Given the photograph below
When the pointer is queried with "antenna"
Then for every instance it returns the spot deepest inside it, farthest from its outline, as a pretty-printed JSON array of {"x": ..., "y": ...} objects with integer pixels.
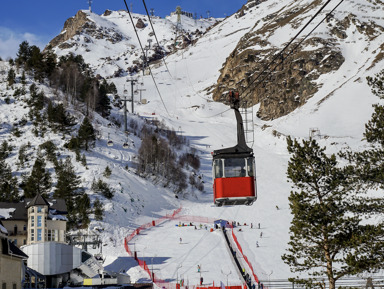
[
  {"x": 90, "y": 5},
  {"x": 152, "y": 12},
  {"x": 208, "y": 12}
]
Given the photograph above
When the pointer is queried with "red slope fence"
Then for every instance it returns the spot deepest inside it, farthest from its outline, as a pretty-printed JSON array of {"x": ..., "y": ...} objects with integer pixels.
[
  {"x": 243, "y": 255},
  {"x": 166, "y": 285}
]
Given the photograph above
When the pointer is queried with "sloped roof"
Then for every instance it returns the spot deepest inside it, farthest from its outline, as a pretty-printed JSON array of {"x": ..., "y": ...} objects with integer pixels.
[
  {"x": 38, "y": 200},
  {"x": 3, "y": 230},
  {"x": 57, "y": 206},
  {"x": 10, "y": 249},
  {"x": 19, "y": 212}
]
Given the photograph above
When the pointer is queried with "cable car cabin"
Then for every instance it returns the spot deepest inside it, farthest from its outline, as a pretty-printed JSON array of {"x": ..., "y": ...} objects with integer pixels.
[
  {"x": 233, "y": 169},
  {"x": 234, "y": 181},
  {"x": 125, "y": 145},
  {"x": 110, "y": 143}
]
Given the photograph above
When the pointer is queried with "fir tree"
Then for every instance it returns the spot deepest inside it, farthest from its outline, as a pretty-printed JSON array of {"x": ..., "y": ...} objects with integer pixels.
[
  {"x": 328, "y": 233},
  {"x": 86, "y": 134},
  {"x": 39, "y": 181}
]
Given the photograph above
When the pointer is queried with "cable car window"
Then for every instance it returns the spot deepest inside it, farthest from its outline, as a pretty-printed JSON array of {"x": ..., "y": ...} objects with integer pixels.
[
  {"x": 218, "y": 167},
  {"x": 234, "y": 168},
  {"x": 251, "y": 167}
]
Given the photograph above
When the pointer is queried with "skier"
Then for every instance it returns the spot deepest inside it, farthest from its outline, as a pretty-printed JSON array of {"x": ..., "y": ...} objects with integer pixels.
[
  {"x": 257, "y": 244},
  {"x": 261, "y": 234},
  {"x": 201, "y": 281},
  {"x": 181, "y": 240}
]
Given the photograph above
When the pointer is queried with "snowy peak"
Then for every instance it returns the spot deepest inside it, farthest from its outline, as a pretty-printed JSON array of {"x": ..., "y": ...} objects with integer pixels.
[{"x": 109, "y": 44}]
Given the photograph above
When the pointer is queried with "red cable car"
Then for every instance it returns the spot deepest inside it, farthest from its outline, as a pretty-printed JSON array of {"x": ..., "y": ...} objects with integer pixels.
[{"x": 233, "y": 170}]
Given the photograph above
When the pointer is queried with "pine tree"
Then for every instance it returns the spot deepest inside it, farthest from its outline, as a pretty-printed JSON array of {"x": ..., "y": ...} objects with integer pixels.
[
  {"x": 11, "y": 78},
  {"x": 23, "y": 53},
  {"x": 39, "y": 181},
  {"x": 107, "y": 172},
  {"x": 98, "y": 210},
  {"x": 369, "y": 164},
  {"x": 67, "y": 181},
  {"x": 23, "y": 78},
  {"x": 8, "y": 184},
  {"x": 86, "y": 134},
  {"x": 328, "y": 233},
  {"x": 68, "y": 188}
]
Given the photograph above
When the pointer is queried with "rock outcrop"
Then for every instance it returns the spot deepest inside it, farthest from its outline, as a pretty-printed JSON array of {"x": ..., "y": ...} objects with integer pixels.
[
  {"x": 285, "y": 83},
  {"x": 81, "y": 24}
]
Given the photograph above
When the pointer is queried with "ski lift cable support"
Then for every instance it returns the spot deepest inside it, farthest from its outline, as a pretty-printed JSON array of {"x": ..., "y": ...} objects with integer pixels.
[
  {"x": 153, "y": 30},
  {"x": 142, "y": 49}
]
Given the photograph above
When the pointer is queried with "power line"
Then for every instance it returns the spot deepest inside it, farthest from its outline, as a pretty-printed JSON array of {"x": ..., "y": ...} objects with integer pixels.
[
  {"x": 278, "y": 55},
  {"x": 142, "y": 49},
  {"x": 153, "y": 30},
  {"x": 293, "y": 49}
]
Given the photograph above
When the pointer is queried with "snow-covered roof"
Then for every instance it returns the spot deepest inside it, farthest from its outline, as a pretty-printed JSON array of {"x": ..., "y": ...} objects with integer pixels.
[{"x": 6, "y": 213}]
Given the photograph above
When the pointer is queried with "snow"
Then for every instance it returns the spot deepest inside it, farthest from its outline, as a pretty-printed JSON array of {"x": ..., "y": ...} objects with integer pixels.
[
  {"x": 339, "y": 110},
  {"x": 6, "y": 213},
  {"x": 3, "y": 230}
]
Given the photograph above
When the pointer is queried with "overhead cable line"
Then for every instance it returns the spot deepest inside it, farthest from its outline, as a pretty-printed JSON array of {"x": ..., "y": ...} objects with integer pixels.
[
  {"x": 297, "y": 45},
  {"x": 286, "y": 46},
  {"x": 153, "y": 30},
  {"x": 142, "y": 49}
]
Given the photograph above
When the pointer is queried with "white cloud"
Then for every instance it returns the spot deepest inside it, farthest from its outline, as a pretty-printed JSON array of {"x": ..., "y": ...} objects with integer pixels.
[{"x": 10, "y": 41}]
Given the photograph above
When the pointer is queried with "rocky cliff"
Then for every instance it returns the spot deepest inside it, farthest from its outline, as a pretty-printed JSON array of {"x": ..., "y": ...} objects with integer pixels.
[{"x": 291, "y": 79}]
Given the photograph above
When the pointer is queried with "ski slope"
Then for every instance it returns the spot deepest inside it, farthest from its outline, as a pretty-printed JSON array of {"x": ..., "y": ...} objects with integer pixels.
[{"x": 338, "y": 110}]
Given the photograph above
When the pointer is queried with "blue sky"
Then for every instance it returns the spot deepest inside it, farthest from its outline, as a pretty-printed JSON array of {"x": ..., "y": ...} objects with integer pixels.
[{"x": 39, "y": 21}]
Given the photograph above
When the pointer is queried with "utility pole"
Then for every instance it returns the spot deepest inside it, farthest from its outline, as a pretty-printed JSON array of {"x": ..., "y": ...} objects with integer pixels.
[
  {"x": 125, "y": 109},
  {"x": 141, "y": 89},
  {"x": 90, "y": 5},
  {"x": 132, "y": 81}
]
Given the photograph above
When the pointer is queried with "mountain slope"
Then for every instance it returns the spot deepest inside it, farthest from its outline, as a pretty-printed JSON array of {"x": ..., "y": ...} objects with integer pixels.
[{"x": 337, "y": 111}]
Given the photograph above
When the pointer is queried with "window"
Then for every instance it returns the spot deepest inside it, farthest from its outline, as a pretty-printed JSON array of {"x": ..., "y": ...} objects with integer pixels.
[
  {"x": 251, "y": 167},
  {"x": 218, "y": 168},
  {"x": 24, "y": 242},
  {"x": 14, "y": 286},
  {"x": 4, "y": 286},
  {"x": 39, "y": 235},
  {"x": 39, "y": 221},
  {"x": 32, "y": 234},
  {"x": 25, "y": 227},
  {"x": 234, "y": 168},
  {"x": 39, "y": 209},
  {"x": 32, "y": 221},
  {"x": 49, "y": 235}
]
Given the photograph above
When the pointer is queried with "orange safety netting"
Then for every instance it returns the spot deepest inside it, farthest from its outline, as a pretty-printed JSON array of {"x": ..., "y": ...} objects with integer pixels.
[{"x": 161, "y": 283}]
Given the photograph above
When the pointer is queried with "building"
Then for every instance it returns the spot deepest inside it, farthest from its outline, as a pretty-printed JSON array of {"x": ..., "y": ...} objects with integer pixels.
[
  {"x": 35, "y": 220},
  {"x": 11, "y": 262}
]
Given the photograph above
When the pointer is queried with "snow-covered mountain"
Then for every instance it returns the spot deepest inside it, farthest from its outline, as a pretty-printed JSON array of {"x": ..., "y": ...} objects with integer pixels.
[
  {"x": 108, "y": 42},
  {"x": 336, "y": 112}
]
